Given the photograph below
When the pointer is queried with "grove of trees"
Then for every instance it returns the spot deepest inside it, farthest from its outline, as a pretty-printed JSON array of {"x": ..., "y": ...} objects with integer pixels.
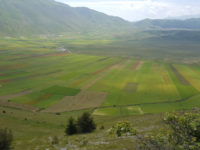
[{"x": 84, "y": 124}]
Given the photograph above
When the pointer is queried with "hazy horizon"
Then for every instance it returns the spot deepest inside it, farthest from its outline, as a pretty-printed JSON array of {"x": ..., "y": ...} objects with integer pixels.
[{"x": 135, "y": 10}]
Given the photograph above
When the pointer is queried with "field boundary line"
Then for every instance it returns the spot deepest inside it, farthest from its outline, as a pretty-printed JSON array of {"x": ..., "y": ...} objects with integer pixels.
[
  {"x": 10, "y": 104},
  {"x": 15, "y": 95},
  {"x": 139, "y": 104}
]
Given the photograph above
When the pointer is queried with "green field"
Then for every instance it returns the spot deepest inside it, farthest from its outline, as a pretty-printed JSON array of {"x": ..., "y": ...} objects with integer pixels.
[
  {"x": 42, "y": 86},
  {"x": 110, "y": 85}
]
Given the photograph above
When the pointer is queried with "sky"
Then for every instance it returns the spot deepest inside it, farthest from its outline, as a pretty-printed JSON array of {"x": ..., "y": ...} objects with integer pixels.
[{"x": 135, "y": 10}]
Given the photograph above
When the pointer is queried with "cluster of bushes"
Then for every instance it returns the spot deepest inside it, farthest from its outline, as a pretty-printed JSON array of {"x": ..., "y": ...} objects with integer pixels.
[
  {"x": 182, "y": 133},
  {"x": 122, "y": 129},
  {"x": 84, "y": 124}
]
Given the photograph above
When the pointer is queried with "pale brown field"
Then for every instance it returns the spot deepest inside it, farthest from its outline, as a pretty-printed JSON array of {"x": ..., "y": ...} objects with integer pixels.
[{"x": 84, "y": 100}]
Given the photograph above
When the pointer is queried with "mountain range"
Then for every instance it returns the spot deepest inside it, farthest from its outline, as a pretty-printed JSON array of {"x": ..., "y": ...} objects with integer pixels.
[
  {"x": 192, "y": 24},
  {"x": 33, "y": 17},
  {"x": 49, "y": 17}
]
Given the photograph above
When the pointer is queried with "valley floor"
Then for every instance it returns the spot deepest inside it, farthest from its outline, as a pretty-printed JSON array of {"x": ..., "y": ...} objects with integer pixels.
[{"x": 41, "y": 87}]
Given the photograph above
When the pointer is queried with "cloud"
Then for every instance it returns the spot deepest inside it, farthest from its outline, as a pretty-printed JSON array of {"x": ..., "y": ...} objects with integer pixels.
[{"x": 134, "y": 10}]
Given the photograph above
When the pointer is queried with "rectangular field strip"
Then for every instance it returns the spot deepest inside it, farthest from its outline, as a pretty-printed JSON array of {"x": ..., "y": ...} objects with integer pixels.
[{"x": 179, "y": 76}]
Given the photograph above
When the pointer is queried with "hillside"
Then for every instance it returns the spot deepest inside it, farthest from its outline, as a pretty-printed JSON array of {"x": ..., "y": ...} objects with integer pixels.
[
  {"x": 38, "y": 17},
  {"x": 192, "y": 24},
  {"x": 22, "y": 17}
]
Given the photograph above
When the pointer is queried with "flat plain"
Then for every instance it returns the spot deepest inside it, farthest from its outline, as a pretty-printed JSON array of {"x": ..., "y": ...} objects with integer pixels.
[
  {"x": 43, "y": 78},
  {"x": 43, "y": 82}
]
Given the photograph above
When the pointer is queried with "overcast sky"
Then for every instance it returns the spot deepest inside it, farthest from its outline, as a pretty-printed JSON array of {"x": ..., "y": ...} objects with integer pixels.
[{"x": 134, "y": 10}]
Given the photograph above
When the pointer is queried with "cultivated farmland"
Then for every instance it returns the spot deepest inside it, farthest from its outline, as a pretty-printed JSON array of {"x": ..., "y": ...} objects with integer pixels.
[{"x": 44, "y": 79}]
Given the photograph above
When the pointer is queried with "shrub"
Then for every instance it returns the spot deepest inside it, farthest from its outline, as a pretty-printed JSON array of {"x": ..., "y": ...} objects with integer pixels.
[
  {"x": 55, "y": 140},
  {"x": 85, "y": 123},
  {"x": 154, "y": 142},
  {"x": 183, "y": 133},
  {"x": 58, "y": 114},
  {"x": 71, "y": 127},
  {"x": 122, "y": 128},
  {"x": 184, "y": 130},
  {"x": 6, "y": 139}
]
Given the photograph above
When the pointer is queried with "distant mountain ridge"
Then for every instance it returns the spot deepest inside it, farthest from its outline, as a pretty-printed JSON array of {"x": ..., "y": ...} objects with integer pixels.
[
  {"x": 193, "y": 23},
  {"x": 49, "y": 17},
  {"x": 36, "y": 17}
]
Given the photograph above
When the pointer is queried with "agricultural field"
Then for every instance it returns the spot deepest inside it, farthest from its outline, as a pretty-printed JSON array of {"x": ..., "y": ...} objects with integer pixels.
[
  {"x": 43, "y": 83},
  {"x": 46, "y": 78}
]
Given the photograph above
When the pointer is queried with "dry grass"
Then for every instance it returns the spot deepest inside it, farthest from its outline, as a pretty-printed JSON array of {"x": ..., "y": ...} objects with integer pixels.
[{"x": 84, "y": 100}]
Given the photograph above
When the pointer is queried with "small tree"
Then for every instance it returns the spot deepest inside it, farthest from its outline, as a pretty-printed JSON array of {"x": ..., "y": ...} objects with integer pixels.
[
  {"x": 6, "y": 139},
  {"x": 71, "y": 127},
  {"x": 85, "y": 123}
]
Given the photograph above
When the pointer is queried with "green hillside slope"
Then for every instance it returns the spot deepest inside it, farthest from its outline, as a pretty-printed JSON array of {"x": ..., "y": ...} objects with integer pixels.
[
  {"x": 169, "y": 24},
  {"x": 27, "y": 17}
]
